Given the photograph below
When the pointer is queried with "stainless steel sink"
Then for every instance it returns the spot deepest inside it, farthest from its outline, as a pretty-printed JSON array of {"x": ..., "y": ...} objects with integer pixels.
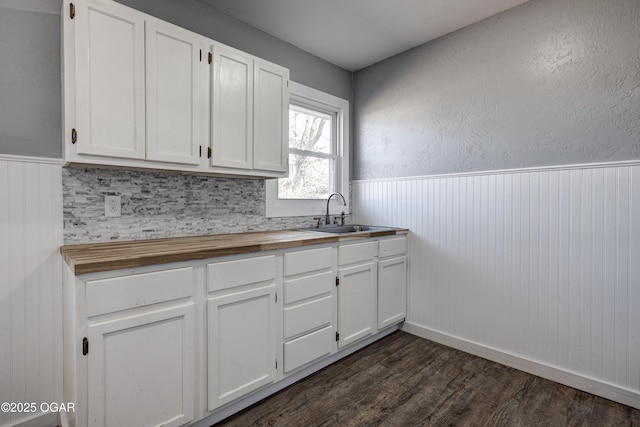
[{"x": 351, "y": 228}]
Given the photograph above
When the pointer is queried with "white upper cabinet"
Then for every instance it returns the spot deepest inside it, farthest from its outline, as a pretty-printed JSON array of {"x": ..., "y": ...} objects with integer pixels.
[
  {"x": 249, "y": 113},
  {"x": 109, "y": 80},
  {"x": 271, "y": 118},
  {"x": 142, "y": 93},
  {"x": 173, "y": 63},
  {"x": 231, "y": 109}
]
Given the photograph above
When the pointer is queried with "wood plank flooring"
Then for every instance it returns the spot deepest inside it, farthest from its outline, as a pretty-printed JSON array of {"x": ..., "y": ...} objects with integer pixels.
[{"x": 404, "y": 380}]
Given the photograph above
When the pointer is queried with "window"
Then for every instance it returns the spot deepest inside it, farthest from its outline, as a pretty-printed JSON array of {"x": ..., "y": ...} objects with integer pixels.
[
  {"x": 312, "y": 154},
  {"x": 318, "y": 156}
]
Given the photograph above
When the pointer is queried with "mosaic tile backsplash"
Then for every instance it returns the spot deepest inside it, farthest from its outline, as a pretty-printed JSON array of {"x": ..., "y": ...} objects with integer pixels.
[{"x": 157, "y": 205}]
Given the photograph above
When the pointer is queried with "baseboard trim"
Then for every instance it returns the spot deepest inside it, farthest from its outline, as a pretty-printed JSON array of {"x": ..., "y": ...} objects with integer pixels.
[{"x": 572, "y": 379}]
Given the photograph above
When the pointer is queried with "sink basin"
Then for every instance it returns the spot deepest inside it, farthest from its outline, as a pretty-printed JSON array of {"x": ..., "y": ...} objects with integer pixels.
[{"x": 351, "y": 228}]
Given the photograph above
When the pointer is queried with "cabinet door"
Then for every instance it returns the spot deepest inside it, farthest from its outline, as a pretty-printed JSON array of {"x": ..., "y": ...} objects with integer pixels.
[
  {"x": 173, "y": 91},
  {"x": 109, "y": 54},
  {"x": 242, "y": 343},
  {"x": 271, "y": 118},
  {"x": 392, "y": 291},
  {"x": 232, "y": 109},
  {"x": 140, "y": 369},
  {"x": 356, "y": 303}
]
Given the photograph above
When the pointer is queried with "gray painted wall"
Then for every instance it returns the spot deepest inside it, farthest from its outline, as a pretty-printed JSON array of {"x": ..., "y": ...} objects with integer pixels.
[
  {"x": 550, "y": 82},
  {"x": 30, "y": 118},
  {"x": 30, "y": 101}
]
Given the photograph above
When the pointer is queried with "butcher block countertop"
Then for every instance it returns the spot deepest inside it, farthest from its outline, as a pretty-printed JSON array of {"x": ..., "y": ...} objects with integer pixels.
[{"x": 97, "y": 257}]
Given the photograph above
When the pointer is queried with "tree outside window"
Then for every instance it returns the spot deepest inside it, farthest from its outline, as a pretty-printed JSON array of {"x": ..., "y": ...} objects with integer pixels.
[{"x": 312, "y": 155}]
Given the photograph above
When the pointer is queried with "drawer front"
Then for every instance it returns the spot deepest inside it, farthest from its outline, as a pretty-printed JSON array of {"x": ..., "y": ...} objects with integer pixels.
[
  {"x": 137, "y": 290},
  {"x": 307, "y": 261},
  {"x": 229, "y": 274},
  {"x": 308, "y": 286},
  {"x": 392, "y": 247},
  {"x": 307, "y": 316},
  {"x": 349, "y": 254},
  {"x": 307, "y": 348}
]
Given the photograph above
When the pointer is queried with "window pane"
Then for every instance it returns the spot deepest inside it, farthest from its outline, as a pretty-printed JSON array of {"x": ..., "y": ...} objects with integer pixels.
[
  {"x": 309, "y": 178},
  {"x": 310, "y": 130}
]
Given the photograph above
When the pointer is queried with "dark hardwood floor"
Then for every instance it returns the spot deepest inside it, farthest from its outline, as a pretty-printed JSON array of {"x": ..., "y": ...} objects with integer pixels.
[{"x": 403, "y": 380}]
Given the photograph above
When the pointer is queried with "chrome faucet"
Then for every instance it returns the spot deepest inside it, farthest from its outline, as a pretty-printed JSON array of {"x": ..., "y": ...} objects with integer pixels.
[{"x": 327, "y": 220}]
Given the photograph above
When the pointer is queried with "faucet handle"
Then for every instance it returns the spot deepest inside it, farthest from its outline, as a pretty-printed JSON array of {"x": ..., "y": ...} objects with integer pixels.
[{"x": 318, "y": 222}]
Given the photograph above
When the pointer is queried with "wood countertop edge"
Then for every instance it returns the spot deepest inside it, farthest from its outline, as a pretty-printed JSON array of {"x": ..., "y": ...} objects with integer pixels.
[{"x": 120, "y": 255}]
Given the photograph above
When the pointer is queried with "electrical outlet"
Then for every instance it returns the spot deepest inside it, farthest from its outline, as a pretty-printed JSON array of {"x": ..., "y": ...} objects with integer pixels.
[{"x": 112, "y": 206}]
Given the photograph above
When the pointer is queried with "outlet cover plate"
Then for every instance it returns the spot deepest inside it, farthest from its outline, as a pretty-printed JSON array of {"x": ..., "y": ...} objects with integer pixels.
[{"x": 112, "y": 206}]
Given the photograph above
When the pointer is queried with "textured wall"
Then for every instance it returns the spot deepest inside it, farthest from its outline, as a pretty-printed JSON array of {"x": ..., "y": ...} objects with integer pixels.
[
  {"x": 157, "y": 205},
  {"x": 30, "y": 118},
  {"x": 549, "y": 82}
]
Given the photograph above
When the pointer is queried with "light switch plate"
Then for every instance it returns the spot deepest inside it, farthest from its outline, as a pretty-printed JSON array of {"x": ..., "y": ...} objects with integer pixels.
[{"x": 112, "y": 206}]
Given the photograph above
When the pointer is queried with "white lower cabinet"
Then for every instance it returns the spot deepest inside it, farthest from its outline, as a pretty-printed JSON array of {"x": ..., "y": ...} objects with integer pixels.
[
  {"x": 241, "y": 328},
  {"x": 392, "y": 281},
  {"x": 356, "y": 292},
  {"x": 133, "y": 341},
  {"x": 309, "y": 301},
  {"x": 141, "y": 369},
  {"x": 392, "y": 291},
  {"x": 171, "y": 344}
]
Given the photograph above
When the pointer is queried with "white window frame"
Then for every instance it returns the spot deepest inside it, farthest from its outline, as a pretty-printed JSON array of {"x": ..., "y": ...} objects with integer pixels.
[{"x": 275, "y": 207}]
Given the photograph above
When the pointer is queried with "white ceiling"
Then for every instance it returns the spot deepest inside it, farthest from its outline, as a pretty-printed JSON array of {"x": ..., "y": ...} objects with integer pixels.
[{"x": 356, "y": 33}]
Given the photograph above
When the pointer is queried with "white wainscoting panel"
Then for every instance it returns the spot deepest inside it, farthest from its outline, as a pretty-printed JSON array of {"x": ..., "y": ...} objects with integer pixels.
[
  {"x": 542, "y": 265},
  {"x": 30, "y": 286}
]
